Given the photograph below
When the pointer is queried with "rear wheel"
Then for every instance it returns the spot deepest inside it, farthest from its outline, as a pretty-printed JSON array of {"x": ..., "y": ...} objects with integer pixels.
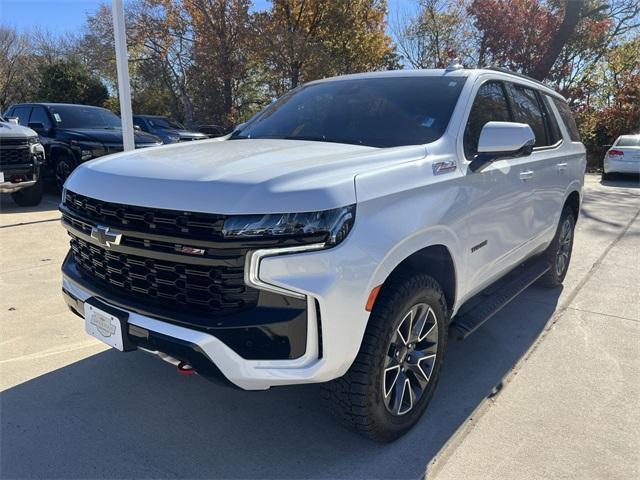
[
  {"x": 392, "y": 380},
  {"x": 558, "y": 254},
  {"x": 29, "y": 197}
]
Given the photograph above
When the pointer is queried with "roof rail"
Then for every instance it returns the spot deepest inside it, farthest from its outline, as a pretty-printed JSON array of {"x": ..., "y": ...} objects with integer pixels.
[{"x": 516, "y": 74}]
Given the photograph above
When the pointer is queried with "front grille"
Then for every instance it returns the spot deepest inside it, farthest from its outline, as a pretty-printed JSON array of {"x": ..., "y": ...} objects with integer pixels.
[
  {"x": 162, "y": 222},
  {"x": 198, "y": 289},
  {"x": 14, "y": 155},
  {"x": 14, "y": 142}
]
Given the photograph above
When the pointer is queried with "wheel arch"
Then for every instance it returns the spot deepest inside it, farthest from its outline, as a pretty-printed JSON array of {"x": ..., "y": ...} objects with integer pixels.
[
  {"x": 436, "y": 261},
  {"x": 573, "y": 201}
]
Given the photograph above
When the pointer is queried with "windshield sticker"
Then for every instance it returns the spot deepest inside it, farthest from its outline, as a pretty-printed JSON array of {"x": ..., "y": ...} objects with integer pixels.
[
  {"x": 57, "y": 117},
  {"x": 453, "y": 84},
  {"x": 428, "y": 122}
]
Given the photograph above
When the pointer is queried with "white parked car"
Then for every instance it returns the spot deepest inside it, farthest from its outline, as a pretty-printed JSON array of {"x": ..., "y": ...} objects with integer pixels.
[
  {"x": 623, "y": 156},
  {"x": 339, "y": 236},
  {"x": 21, "y": 159}
]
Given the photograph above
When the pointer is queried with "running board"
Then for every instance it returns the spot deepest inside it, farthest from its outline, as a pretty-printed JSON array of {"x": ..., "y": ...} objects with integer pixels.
[{"x": 486, "y": 304}]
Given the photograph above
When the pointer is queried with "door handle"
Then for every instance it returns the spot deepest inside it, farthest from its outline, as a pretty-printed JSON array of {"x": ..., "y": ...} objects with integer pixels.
[
  {"x": 526, "y": 175},
  {"x": 562, "y": 166}
]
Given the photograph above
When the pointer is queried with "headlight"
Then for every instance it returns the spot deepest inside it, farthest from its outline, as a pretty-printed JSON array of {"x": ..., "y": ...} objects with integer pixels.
[
  {"x": 33, "y": 140},
  {"x": 329, "y": 226}
]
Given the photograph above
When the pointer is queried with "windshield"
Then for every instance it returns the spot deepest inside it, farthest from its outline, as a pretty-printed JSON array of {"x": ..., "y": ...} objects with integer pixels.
[
  {"x": 377, "y": 112},
  {"x": 163, "y": 122},
  {"x": 72, "y": 116},
  {"x": 628, "y": 141}
]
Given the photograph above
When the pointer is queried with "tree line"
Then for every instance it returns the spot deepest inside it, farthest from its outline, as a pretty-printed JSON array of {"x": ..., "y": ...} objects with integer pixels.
[{"x": 221, "y": 61}]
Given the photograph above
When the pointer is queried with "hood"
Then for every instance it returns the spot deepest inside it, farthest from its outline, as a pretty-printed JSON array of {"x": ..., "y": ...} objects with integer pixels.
[
  {"x": 11, "y": 130},
  {"x": 235, "y": 176},
  {"x": 106, "y": 135}
]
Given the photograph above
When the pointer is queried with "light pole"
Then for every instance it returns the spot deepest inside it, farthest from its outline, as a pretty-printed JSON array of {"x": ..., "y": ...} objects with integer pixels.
[{"x": 122, "y": 65}]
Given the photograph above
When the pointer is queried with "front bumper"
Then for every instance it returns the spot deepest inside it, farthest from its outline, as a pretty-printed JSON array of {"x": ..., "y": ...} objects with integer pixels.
[
  {"x": 220, "y": 352},
  {"x": 22, "y": 175},
  {"x": 17, "y": 177},
  {"x": 332, "y": 283}
]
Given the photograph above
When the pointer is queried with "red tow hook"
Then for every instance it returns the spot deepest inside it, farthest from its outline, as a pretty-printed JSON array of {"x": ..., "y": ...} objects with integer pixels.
[{"x": 186, "y": 369}]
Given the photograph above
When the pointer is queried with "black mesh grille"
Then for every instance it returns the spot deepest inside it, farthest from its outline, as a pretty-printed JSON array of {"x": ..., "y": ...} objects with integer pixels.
[
  {"x": 16, "y": 155},
  {"x": 164, "y": 222},
  {"x": 204, "y": 289}
]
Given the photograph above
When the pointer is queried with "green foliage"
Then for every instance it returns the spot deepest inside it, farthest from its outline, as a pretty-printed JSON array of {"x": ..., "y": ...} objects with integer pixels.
[{"x": 69, "y": 81}]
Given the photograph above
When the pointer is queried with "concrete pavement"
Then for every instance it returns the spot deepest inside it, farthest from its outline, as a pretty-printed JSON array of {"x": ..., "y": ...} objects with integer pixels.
[{"x": 547, "y": 389}]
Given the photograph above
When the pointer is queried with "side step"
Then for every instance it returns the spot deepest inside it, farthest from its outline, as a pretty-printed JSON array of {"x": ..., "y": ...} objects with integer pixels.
[{"x": 486, "y": 304}]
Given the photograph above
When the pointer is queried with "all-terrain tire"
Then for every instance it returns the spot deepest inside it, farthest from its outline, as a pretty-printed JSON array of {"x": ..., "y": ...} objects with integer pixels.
[
  {"x": 31, "y": 196},
  {"x": 357, "y": 399},
  {"x": 558, "y": 253}
]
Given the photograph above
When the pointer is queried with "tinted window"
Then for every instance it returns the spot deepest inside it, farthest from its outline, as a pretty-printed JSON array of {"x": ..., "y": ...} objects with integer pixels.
[
  {"x": 23, "y": 115},
  {"x": 163, "y": 122},
  {"x": 552, "y": 122},
  {"x": 628, "y": 141},
  {"x": 38, "y": 114},
  {"x": 78, "y": 116},
  {"x": 379, "y": 112},
  {"x": 567, "y": 119},
  {"x": 527, "y": 109},
  {"x": 490, "y": 105}
]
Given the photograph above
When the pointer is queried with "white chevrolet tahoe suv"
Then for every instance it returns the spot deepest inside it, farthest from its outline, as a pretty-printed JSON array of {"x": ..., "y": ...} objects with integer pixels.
[{"x": 338, "y": 237}]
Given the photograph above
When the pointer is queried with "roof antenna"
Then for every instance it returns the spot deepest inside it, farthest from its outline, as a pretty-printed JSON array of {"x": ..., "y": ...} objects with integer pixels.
[{"x": 454, "y": 65}]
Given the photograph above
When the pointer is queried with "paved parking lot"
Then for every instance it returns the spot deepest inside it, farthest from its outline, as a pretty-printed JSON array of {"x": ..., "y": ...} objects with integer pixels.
[{"x": 549, "y": 388}]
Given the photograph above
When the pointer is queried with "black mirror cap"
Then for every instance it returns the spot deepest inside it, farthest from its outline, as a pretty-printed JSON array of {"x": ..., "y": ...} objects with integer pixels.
[{"x": 482, "y": 160}]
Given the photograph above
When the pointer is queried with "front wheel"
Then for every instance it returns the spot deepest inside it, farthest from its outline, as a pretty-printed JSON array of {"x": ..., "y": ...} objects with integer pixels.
[
  {"x": 558, "y": 254},
  {"x": 64, "y": 165},
  {"x": 392, "y": 380}
]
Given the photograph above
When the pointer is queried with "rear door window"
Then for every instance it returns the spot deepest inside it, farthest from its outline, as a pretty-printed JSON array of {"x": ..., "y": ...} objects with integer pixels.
[
  {"x": 490, "y": 105},
  {"x": 527, "y": 109}
]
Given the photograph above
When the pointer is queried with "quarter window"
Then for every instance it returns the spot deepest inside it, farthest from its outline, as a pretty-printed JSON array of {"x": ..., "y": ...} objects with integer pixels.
[
  {"x": 567, "y": 119},
  {"x": 527, "y": 109},
  {"x": 552, "y": 122},
  {"x": 490, "y": 105}
]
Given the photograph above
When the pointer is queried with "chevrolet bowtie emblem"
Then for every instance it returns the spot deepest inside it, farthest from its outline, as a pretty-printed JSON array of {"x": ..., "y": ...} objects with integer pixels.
[{"x": 105, "y": 236}]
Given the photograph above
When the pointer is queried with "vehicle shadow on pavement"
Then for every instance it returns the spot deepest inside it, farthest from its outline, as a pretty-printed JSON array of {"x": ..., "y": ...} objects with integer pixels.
[
  {"x": 50, "y": 202},
  {"x": 628, "y": 181},
  {"x": 117, "y": 415}
]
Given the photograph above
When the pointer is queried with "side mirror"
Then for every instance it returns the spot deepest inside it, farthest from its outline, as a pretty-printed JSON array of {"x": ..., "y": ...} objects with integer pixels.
[
  {"x": 13, "y": 120},
  {"x": 137, "y": 128},
  {"x": 502, "y": 140},
  {"x": 38, "y": 127}
]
